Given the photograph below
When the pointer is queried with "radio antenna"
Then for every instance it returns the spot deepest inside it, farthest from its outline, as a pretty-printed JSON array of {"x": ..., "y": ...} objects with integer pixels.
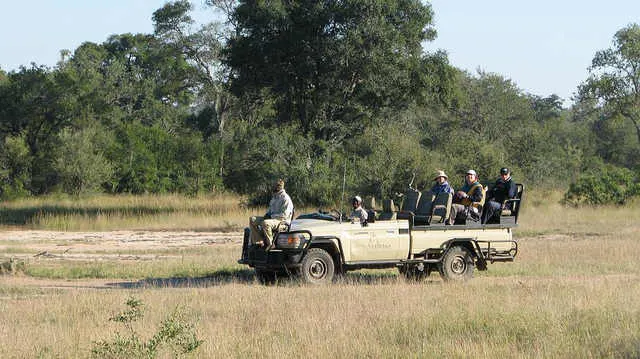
[{"x": 344, "y": 183}]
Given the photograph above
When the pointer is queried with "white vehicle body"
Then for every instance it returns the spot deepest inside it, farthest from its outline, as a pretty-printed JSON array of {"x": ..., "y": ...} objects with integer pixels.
[{"x": 415, "y": 250}]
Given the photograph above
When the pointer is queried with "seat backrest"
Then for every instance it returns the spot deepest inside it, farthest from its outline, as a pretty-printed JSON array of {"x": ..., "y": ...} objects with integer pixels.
[
  {"x": 515, "y": 206},
  {"x": 388, "y": 210},
  {"x": 441, "y": 207},
  {"x": 425, "y": 204},
  {"x": 410, "y": 202},
  {"x": 370, "y": 203},
  {"x": 371, "y": 215}
]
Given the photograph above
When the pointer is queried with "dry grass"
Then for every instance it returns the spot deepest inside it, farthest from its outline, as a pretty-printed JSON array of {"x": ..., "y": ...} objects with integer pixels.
[
  {"x": 571, "y": 293},
  {"x": 150, "y": 212}
]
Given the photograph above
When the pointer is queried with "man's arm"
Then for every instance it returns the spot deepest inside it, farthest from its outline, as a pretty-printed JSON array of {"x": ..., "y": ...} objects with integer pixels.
[{"x": 513, "y": 190}]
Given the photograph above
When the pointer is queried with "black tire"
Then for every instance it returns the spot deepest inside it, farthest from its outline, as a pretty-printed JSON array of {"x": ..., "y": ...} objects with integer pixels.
[
  {"x": 265, "y": 276},
  {"x": 457, "y": 264},
  {"x": 317, "y": 267}
]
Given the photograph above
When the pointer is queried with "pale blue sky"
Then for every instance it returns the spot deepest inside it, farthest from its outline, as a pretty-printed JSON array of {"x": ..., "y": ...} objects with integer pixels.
[{"x": 544, "y": 46}]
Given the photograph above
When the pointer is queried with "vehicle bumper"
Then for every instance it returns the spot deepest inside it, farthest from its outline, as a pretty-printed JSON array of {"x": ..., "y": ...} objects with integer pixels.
[
  {"x": 259, "y": 257},
  {"x": 271, "y": 259}
]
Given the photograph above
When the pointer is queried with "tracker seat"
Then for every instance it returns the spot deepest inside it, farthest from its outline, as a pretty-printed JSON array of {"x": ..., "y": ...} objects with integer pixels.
[
  {"x": 388, "y": 211},
  {"x": 422, "y": 215},
  {"x": 441, "y": 208},
  {"x": 409, "y": 204}
]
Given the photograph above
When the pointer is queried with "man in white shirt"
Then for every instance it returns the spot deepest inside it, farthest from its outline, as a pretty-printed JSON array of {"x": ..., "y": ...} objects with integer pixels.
[
  {"x": 278, "y": 216},
  {"x": 358, "y": 214}
]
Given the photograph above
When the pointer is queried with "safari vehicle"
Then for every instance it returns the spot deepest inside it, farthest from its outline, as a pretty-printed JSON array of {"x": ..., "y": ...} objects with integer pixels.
[{"x": 415, "y": 239}]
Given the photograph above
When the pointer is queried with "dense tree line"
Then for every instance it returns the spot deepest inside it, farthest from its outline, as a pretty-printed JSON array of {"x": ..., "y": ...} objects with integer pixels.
[{"x": 328, "y": 95}]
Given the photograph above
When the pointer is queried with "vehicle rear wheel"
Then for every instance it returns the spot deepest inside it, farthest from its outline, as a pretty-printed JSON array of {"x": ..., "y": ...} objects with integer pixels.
[
  {"x": 317, "y": 267},
  {"x": 457, "y": 264}
]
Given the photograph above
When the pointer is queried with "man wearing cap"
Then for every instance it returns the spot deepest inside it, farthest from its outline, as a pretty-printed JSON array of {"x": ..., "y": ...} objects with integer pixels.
[
  {"x": 442, "y": 184},
  {"x": 467, "y": 200},
  {"x": 279, "y": 213},
  {"x": 358, "y": 213},
  {"x": 504, "y": 188}
]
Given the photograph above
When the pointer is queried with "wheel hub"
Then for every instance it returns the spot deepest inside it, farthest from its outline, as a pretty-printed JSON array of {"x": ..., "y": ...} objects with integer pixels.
[
  {"x": 318, "y": 269},
  {"x": 458, "y": 265}
]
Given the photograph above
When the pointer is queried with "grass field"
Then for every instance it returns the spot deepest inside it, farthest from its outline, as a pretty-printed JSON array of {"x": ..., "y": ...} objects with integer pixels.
[
  {"x": 149, "y": 212},
  {"x": 571, "y": 293}
]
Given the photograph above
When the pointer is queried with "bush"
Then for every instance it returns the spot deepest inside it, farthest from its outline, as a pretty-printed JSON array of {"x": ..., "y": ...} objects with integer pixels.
[
  {"x": 15, "y": 166},
  {"x": 610, "y": 185},
  {"x": 80, "y": 164},
  {"x": 175, "y": 336}
]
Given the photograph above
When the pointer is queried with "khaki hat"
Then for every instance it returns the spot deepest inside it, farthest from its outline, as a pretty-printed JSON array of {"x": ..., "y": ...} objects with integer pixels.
[{"x": 440, "y": 174}]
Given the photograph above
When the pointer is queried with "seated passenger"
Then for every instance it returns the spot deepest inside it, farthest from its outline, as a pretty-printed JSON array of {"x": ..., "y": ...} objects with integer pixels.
[
  {"x": 442, "y": 184},
  {"x": 279, "y": 213},
  {"x": 505, "y": 188},
  {"x": 467, "y": 200},
  {"x": 359, "y": 213}
]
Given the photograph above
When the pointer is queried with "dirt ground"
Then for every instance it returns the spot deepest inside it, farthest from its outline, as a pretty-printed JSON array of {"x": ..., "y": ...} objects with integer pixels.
[{"x": 108, "y": 246}]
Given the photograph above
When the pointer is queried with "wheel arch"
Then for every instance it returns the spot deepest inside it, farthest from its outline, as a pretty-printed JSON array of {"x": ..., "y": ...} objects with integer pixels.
[
  {"x": 470, "y": 244},
  {"x": 333, "y": 246}
]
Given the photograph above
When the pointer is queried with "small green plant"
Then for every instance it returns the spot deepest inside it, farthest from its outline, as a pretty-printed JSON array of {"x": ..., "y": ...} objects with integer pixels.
[
  {"x": 175, "y": 335},
  {"x": 12, "y": 266}
]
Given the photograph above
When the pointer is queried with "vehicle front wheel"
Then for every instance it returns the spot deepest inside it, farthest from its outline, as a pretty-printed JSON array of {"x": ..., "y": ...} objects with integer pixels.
[
  {"x": 457, "y": 264},
  {"x": 317, "y": 267}
]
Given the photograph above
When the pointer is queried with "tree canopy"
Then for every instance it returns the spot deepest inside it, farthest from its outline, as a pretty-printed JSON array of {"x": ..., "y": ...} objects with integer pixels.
[
  {"x": 329, "y": 66},
  {"x": 613, "y": 89}
]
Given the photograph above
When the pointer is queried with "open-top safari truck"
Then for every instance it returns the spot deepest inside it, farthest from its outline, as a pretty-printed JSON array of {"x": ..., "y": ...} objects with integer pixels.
[{"x": 415, "y": 239}]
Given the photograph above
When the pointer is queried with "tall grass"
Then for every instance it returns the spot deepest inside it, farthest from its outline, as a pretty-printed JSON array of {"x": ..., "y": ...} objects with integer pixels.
[
  {"x": 482, "y": 319},
  {"x": 221, "y": 212}
]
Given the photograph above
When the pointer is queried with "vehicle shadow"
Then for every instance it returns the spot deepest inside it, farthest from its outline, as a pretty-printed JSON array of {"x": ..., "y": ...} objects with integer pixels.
[
  {"x": 214, "y": 279},
  {"x": 248, "y": 276}
]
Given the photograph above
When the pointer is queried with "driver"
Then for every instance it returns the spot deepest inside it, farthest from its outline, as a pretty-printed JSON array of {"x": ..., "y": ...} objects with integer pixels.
[
  {"x": 279, "y": 214},
  {"x": 358, "y": 213}
]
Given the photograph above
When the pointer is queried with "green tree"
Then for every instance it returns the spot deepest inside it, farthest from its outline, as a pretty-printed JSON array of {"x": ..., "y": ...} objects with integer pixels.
[
  {"x": 15, "y": 167},
  {"x": 80, "y": 163},
  {"x": 202, "y": 49},
  {"x": 35, "y": 103},
  {"x": 329, "y": 66},
  {"x": 613, "y": 86}
]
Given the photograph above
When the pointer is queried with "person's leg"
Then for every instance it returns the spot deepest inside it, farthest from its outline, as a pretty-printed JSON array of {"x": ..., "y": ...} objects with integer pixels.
[
  {"x": 491, "y": 208},
  {"x": 269, "y": 226},
  {"x": 256, "y": 232},
  {"x": 456, "y": 208}
]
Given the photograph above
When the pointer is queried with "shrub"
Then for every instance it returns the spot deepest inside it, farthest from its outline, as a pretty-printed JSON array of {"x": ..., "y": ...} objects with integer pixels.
[
  {"x": 175, "y": 334},
  {"x": 610, "y": 185},
  {"x": 80, "y": 164}
]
